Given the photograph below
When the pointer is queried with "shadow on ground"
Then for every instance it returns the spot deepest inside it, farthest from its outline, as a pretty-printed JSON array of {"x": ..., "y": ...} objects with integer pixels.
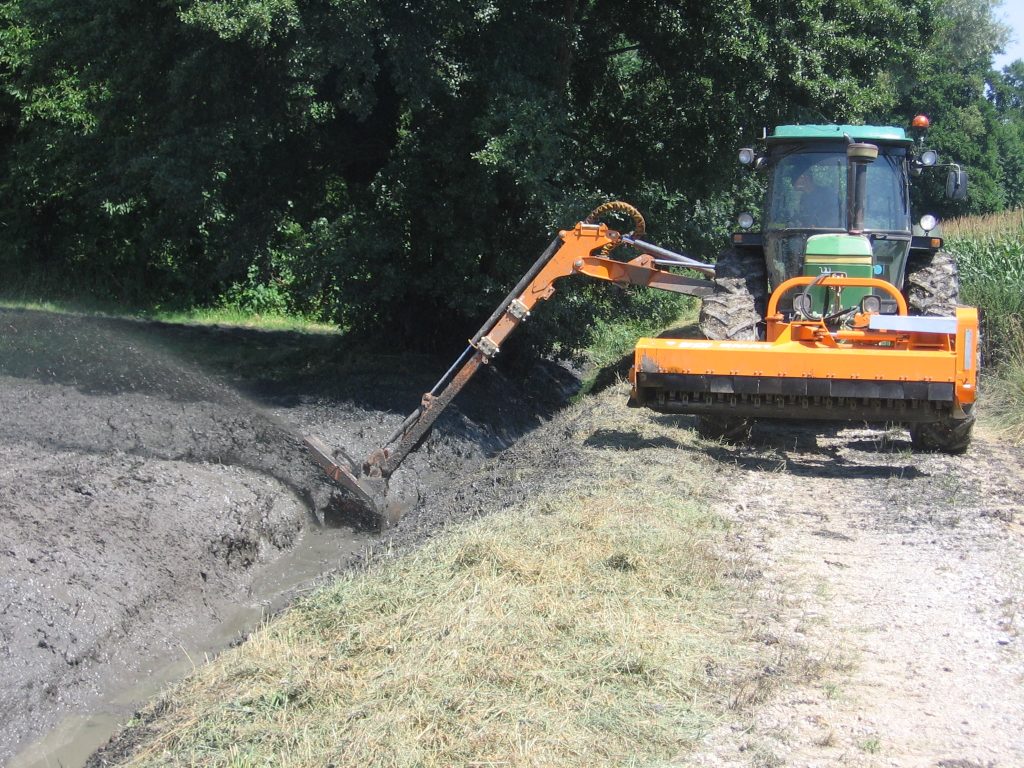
[{"x": 806, "y": 449}]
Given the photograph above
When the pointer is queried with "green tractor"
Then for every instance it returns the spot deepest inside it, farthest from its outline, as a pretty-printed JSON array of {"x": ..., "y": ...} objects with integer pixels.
[{"x": 823, "y": 181}]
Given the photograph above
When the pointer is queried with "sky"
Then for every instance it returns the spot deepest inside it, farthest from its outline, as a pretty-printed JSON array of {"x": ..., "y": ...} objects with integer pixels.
[{"x": 1012, "y": 12}]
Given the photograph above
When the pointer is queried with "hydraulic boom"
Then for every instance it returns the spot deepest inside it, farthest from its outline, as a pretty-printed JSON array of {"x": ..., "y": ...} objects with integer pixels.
[
  {"x": 836, "y": 346},
  {"x": 582, "y": 250}
]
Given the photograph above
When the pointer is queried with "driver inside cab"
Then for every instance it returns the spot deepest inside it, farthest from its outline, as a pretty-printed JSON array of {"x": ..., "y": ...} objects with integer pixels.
[{"x": 818, "y": 205}]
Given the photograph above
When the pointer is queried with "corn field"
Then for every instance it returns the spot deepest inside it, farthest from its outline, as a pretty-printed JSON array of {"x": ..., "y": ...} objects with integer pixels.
[{"x": 990, "y": 254}]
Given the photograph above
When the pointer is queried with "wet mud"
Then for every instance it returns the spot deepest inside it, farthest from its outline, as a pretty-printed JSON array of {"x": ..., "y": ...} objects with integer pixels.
[{"x": 156, "y": 500}]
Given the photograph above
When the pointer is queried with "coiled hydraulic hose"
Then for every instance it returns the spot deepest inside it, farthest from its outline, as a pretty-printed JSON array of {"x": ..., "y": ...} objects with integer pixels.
[
  {"x": 639, "y": 225},
  {"x": 805, "y": 297}
]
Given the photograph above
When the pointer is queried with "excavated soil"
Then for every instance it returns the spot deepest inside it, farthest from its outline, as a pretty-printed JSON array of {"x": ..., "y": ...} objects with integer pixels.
[{"x": 156, "y": 501}]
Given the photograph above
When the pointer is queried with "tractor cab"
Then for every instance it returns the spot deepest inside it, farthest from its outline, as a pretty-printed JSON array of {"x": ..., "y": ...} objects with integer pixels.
[{"x": 820, "y": 184}]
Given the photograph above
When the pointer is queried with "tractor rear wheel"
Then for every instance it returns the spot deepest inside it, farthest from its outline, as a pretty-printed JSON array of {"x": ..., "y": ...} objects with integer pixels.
[
  {"x": 734, "y": 312},
  {"x": 932, "y": 287}
]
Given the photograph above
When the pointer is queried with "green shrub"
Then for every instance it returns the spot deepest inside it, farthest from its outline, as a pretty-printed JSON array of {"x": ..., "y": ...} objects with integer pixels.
[{"x": 257, "y": 295}]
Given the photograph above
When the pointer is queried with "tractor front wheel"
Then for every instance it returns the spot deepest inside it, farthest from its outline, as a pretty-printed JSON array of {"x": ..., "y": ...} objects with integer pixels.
[
  {"x": 947, "y": 436},
  {"x": 735, "y": 311}
]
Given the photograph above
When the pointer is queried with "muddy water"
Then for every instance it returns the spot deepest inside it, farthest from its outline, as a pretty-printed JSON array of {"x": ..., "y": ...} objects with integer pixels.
[
  {"x": 318, "y": 553},
  {"x": 149, "y": 514}
]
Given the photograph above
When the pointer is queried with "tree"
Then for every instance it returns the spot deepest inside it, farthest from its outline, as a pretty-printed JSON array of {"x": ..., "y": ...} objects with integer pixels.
[
  {"x": 947, "y": 82},
  {"x": 1006, "y": 92},
  {"x": 396, "y": 166}
]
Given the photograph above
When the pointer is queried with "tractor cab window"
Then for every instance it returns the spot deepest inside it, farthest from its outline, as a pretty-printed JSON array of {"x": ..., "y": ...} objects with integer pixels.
[
  {"x": 887, "y": 204},
  {"x": 808, "y": 191}
]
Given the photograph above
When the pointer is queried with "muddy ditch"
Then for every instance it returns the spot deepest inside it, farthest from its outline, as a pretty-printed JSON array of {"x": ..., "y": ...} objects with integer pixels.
[{"x": 156, "y": 502}]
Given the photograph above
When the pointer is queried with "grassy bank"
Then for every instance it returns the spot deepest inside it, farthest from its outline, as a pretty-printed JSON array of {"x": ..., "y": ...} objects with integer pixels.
[
  {"x": 990, "y": 254},
  {"x": 591, "y": 625},
  {"x": 610, "y": 352},
  {"x": 225, "y": 315}
]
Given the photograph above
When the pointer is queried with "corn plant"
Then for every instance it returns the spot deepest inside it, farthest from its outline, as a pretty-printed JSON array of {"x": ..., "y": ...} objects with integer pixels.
[{"x": 990, "y": 254}]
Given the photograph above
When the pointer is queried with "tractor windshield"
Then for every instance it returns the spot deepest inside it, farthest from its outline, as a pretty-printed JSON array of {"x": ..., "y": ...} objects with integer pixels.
[{"x": 808, "y": 191}]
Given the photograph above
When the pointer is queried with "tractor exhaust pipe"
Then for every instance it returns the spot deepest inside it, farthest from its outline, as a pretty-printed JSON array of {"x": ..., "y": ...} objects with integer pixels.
[{"x": 859, "y": 155}]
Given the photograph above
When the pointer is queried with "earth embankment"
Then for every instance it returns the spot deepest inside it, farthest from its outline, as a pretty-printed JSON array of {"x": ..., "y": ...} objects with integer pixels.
[{"x": 151, "y": 475}]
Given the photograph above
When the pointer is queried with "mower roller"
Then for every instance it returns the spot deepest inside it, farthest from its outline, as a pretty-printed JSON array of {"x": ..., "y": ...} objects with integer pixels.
[{"x": 837, "y": 340}]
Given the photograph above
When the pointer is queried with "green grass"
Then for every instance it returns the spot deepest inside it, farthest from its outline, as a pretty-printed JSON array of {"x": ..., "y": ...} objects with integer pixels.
[
  {"x": 613, "y": 341},
  {"x": 196, "y": 316},
  {"x": 1003, "y": 393},
  {"x": 872, "y": 745}
]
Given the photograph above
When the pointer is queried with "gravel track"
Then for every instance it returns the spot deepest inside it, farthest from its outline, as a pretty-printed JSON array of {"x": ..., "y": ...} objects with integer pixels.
[{"x": 896, "y": 627}]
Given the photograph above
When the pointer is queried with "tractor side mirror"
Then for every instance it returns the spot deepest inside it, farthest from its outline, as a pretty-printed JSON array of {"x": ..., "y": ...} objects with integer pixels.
[{"x": 956, "y": 184}]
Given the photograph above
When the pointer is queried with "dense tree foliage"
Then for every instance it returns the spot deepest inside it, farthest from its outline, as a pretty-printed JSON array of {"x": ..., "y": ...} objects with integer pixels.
[{"x": 397, "y": 165}]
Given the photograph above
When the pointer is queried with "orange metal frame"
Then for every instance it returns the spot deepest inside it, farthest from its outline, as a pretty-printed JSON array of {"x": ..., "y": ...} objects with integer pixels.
[
  {"x": 795, "y": 349},
  {"x": 808, "y": 349}
]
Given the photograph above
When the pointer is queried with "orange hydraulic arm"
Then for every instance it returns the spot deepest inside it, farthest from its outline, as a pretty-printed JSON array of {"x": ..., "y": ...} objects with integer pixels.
[{"x": 581, "y": 250}]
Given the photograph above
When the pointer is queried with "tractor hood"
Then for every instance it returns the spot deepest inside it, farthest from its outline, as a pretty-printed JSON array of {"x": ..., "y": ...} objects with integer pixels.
[{"x": 838, "y": 245}]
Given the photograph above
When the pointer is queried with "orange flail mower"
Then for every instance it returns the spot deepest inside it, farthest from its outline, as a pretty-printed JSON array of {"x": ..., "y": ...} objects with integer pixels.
[{"x": 893, "y": 368}]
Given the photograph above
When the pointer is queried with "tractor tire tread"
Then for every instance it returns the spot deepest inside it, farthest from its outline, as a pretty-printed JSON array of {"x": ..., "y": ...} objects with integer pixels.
[
  {"x": 932, "y": 288},
  {"x": 932, "y": 284},
  {"x": 734, "y": 312},
  {"x": 947, "y": 436}
]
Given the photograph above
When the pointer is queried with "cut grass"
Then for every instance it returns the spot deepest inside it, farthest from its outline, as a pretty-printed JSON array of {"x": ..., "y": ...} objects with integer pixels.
[{"x": 590, "y": 625}]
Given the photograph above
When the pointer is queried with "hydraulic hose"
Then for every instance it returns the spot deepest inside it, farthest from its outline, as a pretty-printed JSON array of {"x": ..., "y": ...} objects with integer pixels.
[
  {"x": 805, "y": 295},
  {"x": 617, "y": 206}
]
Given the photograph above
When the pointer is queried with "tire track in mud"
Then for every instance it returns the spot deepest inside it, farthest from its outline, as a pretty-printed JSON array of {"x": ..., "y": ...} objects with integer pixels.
[
  {"x": 894, "y": 583},
  {"x": 145, "y": 503}
]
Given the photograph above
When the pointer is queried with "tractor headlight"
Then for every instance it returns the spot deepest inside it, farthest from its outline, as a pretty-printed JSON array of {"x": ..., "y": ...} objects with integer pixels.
[
  {"x": 929, "y": 158},
  {"x": 747, "y": 156},
  {"x": 871, "y": 305},
  {"x": 928, "y": 222},
  {"x": 745, "y": 220}
]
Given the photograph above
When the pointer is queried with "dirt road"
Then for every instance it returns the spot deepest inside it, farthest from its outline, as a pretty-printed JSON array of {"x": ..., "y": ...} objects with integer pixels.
[{"x": 895, "y": 585}]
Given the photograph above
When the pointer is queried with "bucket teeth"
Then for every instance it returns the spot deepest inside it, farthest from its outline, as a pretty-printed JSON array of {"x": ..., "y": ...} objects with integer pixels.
[{"x": 369, "y": 492}]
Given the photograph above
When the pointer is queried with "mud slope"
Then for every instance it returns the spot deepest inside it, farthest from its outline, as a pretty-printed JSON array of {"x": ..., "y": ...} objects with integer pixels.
[{"x": 149, "y": 474}]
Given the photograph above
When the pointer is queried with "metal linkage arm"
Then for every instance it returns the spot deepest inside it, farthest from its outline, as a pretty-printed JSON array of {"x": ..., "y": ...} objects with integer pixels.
[{"x": 570, "y": 253}]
